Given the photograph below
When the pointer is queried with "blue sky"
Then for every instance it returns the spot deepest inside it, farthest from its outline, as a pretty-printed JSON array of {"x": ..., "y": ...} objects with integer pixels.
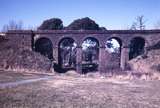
[{"x": 113, "y": 14}]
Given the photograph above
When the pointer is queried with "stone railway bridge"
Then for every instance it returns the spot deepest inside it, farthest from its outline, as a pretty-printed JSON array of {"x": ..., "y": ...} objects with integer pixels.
[{"x": 146, "y": 38}]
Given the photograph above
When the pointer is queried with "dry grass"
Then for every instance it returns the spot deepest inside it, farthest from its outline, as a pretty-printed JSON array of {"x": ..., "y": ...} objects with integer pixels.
[
  {"x": 149, "y": 64},
  {"x": 80, "y": 92}
]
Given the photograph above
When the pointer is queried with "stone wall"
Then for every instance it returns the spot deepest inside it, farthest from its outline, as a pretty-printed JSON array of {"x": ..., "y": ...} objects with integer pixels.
[{"x": 21, "y": 39}]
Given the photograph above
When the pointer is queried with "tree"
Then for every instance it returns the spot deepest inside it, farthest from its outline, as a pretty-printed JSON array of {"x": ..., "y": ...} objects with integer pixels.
[
  {"x": 84, "y": 24},
  {"x": 139, "y": 24},
  {"x": 51, "y": 24},
  {"x": 13, "y": 25},
  {"x": 134, "y": 26}
]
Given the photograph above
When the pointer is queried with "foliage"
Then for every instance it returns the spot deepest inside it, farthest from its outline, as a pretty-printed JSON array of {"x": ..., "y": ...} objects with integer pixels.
[
  {"x": 90, "y": 49},
  {"x": 113, "y": 46},
  {"x": 51, "y": 24},
  {"x": 84, "y": 24}
]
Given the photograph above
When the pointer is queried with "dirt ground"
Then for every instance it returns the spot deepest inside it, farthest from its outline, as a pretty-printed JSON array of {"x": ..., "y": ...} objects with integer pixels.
[
  {"x": 81, "y": 92},
  {"x": 12, "y": 76}
]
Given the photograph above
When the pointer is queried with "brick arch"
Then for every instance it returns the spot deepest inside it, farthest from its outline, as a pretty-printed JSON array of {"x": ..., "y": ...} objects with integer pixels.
[
  {"x": 37, "y": 37},
  {"x": 90, "y": 36},
  {"x": 120, "y": 41},
  {"x": 139, "y": 36},
  {"x": 64, "y": 37},
  {"x": 117, "y": 37},
  {"x": 44, "y": 46}
]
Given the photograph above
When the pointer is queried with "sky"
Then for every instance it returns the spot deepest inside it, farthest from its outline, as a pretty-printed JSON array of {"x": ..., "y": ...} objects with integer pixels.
[{"x": 112, "y": 14}]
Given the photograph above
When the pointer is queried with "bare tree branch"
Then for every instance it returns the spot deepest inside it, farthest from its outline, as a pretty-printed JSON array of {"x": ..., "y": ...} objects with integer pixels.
[
  {"x": 139, "y": 24},
  {"x": 13, "y": 25}
]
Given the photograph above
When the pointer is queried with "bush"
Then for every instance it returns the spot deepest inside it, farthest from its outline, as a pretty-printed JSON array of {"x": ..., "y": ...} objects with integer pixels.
[
  {"x": 52, "y": 24},
  {"x": 84, "y": 24}
]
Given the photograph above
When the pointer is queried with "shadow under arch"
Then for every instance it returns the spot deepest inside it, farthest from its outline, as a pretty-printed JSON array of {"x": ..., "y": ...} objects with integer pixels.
[
  {"x": 136, "y": 47},
  {"x": 66, "y": 54},
  {"x": 90, "y": 54},
  {"x": 45, "y": 47}
]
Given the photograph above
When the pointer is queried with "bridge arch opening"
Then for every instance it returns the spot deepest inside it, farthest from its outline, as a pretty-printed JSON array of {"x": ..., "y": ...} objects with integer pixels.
[
  {"x": 45, "y": 47},
  {"x": 67, "y": 54},
  {"x": 136, "y": 47},
  {"x": 90, "y": 54},
  {"x": 113, "y": 47}
]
